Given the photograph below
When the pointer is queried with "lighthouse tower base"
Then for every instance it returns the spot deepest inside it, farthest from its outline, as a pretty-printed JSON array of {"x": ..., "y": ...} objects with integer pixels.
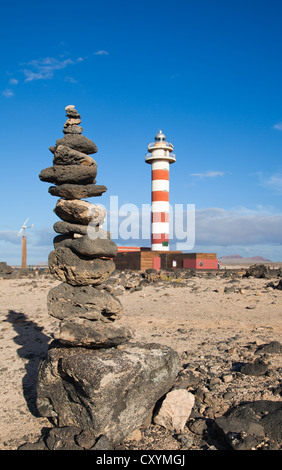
[{"x": 140, "y": 259}]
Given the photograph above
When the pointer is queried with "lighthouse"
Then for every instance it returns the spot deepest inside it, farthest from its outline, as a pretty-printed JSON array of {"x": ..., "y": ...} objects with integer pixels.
[
  {"x": 159, "y": 256},
  {"x": 160, "y": 156}
]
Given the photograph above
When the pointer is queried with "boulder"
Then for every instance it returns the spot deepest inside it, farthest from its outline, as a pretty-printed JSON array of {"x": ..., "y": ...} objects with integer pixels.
[
  {"x": 67, "y": 302},
  {"x": 256, "y": 368},
  {"x": 78, "y": 142},
  {"x": 258, "y": 271},
  {"x": 77, "y": 270},
  {"x": 105, "y": 391},
  {"x": 61, "y": 174},
  {"x": 77, "y": 191},
  {"x": 249, "y": 425},
  {"x": 4, "y": 268},
  {"x": 274, "y": 347},
  {"x": 80, "y": 212}
]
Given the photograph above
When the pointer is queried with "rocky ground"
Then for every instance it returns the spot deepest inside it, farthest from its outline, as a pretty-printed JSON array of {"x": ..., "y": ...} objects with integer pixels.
[{"x": 226, "y": 328}]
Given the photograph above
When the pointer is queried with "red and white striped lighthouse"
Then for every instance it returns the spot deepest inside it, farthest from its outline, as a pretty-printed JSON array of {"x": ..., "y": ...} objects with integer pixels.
[{"x": 160, "y": 157}]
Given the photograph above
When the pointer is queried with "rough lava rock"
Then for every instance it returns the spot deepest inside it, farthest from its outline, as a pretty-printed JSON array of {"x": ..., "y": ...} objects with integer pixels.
[
  {"x": 249, "y": 425},
  {"x": 66, "y": 228},
  {"x": 90, "y": 248},
  {"x": 4, "y": 268},
  {"x": 77, "y": 191},
  {"x": 93, "y": 334},
  {"x": 258, "y": 271},
  {"x": 67, "y": 156},
  {"x": 61, "y": 174},
  {"x": 69, "y": 302},
  {"x": 69, "y": 267},
  {"x": 105, "y": 391},
  {"x": 78, "y": 142}
]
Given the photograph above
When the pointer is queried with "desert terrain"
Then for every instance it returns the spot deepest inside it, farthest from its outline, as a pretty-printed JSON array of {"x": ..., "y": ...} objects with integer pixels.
[{"x": 215, "y": 321}]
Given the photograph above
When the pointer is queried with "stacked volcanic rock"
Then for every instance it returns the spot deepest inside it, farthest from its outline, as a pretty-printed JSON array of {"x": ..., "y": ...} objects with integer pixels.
[
  {"x": 83, "y": 253},
  {"x": 92, "y": 377}
]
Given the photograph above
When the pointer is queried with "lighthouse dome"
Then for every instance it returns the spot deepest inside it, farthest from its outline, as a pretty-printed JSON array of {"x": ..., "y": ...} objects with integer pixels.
[{"x": 160, "y": 137}]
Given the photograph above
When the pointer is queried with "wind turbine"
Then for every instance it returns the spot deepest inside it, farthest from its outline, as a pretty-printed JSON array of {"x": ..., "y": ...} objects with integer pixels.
[{"x": 22, "y": 230}]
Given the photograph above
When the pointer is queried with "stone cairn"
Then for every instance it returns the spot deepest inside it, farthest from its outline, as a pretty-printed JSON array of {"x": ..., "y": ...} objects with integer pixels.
[
  {"x": 92, "y": 377},
  {"x": 83, "y": 253}
]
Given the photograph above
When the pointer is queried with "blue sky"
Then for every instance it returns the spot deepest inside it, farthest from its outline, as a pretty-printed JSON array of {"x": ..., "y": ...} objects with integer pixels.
[{"x": 208, "y": 73}]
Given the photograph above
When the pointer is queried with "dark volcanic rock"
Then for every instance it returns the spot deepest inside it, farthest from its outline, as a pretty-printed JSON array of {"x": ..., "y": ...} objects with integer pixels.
[
  {"x": 61, "y": 174},
  {"x": 93, "y": 334},
  {"x": 67, "y": 228},
  {"x": 271, "y": 348},
  {"x": 78, "y": 142},
  {"x": 67, "y": 156},
  {"x": 102, "y": 443},
  {"x": 77, "y": 191},
  {"x": 67, "y": 302},
  {"x": 61, "y": 241},
  {"x": 258, "y": 271},
  {"x": 4, "y": 268},
  {"x": 279, "y": 285},
  {"x": 258, "y": 367},
  {"x": 76, "y": 270},
  {"x": 73, "y": 130},
  {"x": 72, "y": 121},
  {"x": 63, "y": 438},
  {"x": 72, "y": 112},
  {"x": 106, "y": 391},
  {"x": 91, "y": 248},
  {"x": 39, "y": 445},
  {"x": 249, "y": 425}
]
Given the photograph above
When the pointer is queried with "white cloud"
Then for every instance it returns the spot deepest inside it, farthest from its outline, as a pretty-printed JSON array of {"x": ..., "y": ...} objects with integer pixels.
[
  {"x": 44, "y": 68},
  {"x": 70, "y": 80},
  {"x": 101, "y": 52},
  {"x": 208, "y": 174},
  {"x": 7, "y": 93},
  {"x": 216, "y": 226},
  {"x": 278, "y": 126},
  {"x": 275, "y": 182},
  {"x": 37, "y": 237},
  {"x": 10, "y": 236},
  {"x": 13, "y": 81},
  {"x": 272, "y": 182}
]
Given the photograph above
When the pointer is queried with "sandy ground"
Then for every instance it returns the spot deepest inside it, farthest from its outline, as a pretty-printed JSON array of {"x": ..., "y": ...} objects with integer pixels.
[{"x": 194, "y": 320}]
